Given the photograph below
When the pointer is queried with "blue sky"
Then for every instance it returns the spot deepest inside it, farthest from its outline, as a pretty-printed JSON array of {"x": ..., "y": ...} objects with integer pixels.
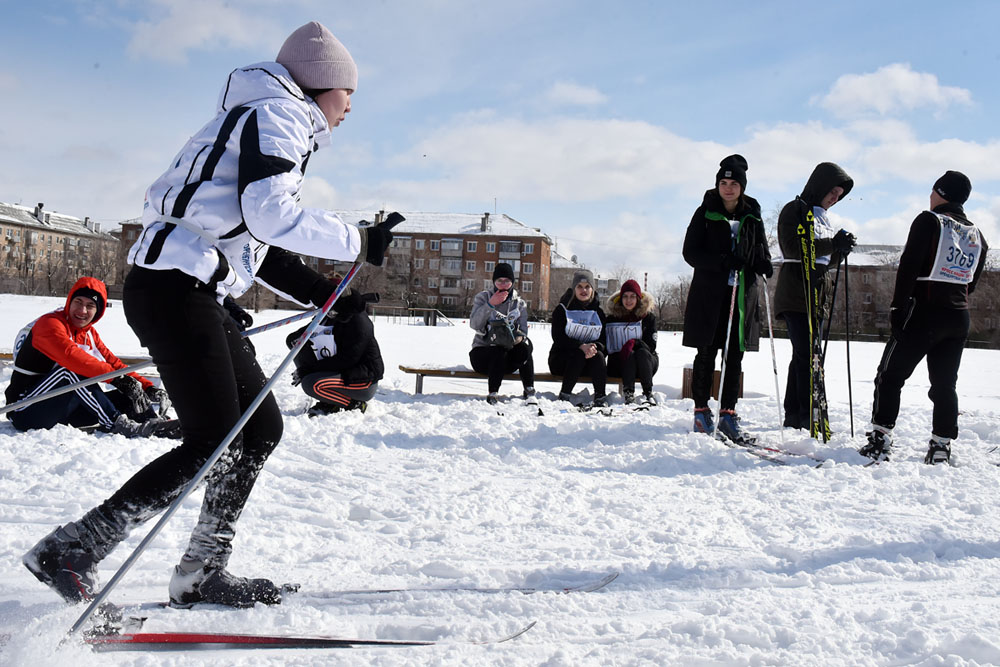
[{"x": 601, "y": 123}]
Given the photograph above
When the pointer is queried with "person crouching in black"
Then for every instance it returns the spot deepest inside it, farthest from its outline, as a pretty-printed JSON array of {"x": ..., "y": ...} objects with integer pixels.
[{"x": 340, "y": 365}]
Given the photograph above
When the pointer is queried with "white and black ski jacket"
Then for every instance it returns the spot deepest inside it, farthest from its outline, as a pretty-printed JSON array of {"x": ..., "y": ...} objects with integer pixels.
[{"x": 233, "y": 192}]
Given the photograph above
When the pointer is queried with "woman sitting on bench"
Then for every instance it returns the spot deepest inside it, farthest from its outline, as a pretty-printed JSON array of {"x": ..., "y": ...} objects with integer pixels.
[{"x": 500, "y": 346}]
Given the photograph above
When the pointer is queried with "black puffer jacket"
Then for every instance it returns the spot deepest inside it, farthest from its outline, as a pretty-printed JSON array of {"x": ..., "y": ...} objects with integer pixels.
[
  {"x": 707, "y": 243},
  {"x": 358, "y": 358},
  {"x": 790, "y": 293}
]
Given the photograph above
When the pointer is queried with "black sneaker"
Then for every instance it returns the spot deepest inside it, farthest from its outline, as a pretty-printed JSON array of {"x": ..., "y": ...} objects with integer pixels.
[
  {"x": 216, "y": 586},
  {"x": 938, "y": 452},
  {"x": 320, "y": 408},
  {"x": 879, "y": 445},
  {"x": 62, "y": 563},
  {"x": 628, "y": 397},
  {"x": 357, "y": 405},
  {"x": 492, "y": 398}
]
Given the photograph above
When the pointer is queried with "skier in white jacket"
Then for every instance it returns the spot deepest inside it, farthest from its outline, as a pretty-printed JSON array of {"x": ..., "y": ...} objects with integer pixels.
[{"x": 226, "y": 213}]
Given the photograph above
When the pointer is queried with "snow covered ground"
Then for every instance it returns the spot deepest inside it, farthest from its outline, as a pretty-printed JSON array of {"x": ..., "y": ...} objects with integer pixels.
[{"x": 724, "y": 558}]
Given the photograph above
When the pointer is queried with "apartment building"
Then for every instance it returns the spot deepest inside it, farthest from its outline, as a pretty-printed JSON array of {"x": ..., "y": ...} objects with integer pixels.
[{"x": 44, "y": 252}]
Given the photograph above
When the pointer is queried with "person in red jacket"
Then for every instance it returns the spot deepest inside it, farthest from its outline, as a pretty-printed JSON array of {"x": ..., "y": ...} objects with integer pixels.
[{"x": 63, "y": 347}]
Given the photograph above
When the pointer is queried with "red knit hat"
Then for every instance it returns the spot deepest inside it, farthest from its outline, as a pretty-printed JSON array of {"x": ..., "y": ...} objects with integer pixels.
[{"x": 631, "y": 286}]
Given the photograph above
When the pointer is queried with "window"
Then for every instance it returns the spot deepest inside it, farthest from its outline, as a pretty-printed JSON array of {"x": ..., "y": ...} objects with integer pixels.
[
  {"x": 529, "y": 248},
  {"x": 435, "y": 264},
  {"x": 489, "y": 266},
  {"x": 491, "y": 246},
  {"x": 469, "y": 283},
  {"x": 418, "y": 263},
  {"x": 526, "y": 286},
  {"x": 432, "y": 283},
  {"x": 449, "y": 283},
  {"x": 432, "y": 300},
  {"x": 435, "y": 245},
  {"x": 867, "y": 297},
  {"x": 416, "y": 282},
  {"x": 471, "y": 246},
  {"x": 866, "y": 279},
  {"x": 487, "y": 283},
  {"x": 419, "y": 244},
  {"x": 452, "y": 265},
  {"x": 401, "y": 242},
  {"x": 452, "y": 245},
  {"x": 510, "y": 247},
  {"x": 448, "y": 301},
  {"x": 528, "y": 268},
  {"x": 470, "y": 266}
]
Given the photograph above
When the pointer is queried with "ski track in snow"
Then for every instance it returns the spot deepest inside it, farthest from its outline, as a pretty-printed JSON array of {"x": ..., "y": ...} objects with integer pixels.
[{"x": 725, "y": 558}]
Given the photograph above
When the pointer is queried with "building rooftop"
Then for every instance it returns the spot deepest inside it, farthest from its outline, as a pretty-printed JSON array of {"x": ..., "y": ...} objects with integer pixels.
[
  {"x": 51, "y": 221},
  {"x": 465, "y": 224}
]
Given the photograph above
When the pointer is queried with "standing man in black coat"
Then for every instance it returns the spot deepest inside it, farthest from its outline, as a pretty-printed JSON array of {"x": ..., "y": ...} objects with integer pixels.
[
  {"x": 827, "y": 185},
  {"x": 941, "y": 263},
  {"x": 727, "y": 246}
]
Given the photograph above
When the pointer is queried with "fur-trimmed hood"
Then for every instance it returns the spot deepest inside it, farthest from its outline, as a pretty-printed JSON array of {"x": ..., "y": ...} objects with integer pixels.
[{"x": 617, "y": 311}]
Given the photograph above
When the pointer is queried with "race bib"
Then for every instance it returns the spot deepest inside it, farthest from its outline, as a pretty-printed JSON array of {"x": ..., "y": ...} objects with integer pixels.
[
  {"x": 958, "y": 253},
  {"x": 583, "y": 325},
  {"x": 619, "y": 333}
]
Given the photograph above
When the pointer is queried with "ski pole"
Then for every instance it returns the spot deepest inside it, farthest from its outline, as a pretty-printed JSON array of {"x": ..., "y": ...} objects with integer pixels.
[
  {"x": 774, "y": 359},
  {"x": 219, "y": 451},
  {"x": 725, "y": 351},
  {"x": 86, "y": 382},
  {"x": 25, "y": 402},
  {"x": 829, "y": 323},
  {"x": 280, "y": 323},
  {"x": 847, "y": 343}
]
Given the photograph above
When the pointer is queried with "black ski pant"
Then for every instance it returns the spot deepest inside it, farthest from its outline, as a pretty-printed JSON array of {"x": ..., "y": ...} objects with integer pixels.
[
  {"x": 703, "y": 375},
  {"x": 798, "y": 387},
  {"x": 331, "y": 388},
  {"x": 939, "y": 334},
  {"x": 495, "y": 361},
  {"x": 574, "y": 364},
  {"x": 212, "y": 376},
  {"x": 641, "y": 364}
]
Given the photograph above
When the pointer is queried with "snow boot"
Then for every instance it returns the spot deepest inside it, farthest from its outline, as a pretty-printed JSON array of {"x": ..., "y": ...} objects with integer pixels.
[
  {"x": 729, "y": 426},
  {"x": 493, "y": 398},
  {"x": 939, "y": 451},
  {"x": 565, "y": 396},
  {"x": 600, "y": 401},
  {"x": 628, "y": 397},
  {"x": 61, "y": 562},
  {"x": 648, "y": 399},
  {"x": 163, "y": 428},
  {"x": 703, "y": 421},
  {"x": 216, "y": 586},
  {"x": 529, "y": 396},
  {"x": 879, "y": 445}
]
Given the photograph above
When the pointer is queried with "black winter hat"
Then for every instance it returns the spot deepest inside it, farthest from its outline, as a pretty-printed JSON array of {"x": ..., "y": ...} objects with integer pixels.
[
  {"x": 954, "y": 186},
  {"x": 503, "y": 270},
  {"x": 735, "y": 167},
  {"x": 94, "y": 296}
]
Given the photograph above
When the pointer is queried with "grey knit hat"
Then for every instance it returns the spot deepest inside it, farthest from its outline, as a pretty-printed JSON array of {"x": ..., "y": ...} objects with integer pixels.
[
  {"x": 317, "y": 61},
  {"x": 583, "y": 276}
]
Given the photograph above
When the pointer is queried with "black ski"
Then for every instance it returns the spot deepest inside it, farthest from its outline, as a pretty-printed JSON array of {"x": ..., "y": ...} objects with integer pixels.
[
  {"x": 194, "y": 641},
  {"x": 819, "y": 420}
]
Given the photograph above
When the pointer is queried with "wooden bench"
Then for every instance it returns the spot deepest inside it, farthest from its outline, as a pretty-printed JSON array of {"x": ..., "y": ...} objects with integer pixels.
[{"x": 468, "y": 374}]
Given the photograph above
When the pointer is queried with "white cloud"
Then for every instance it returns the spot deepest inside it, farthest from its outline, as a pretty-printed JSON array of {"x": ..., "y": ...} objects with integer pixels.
[
  {"x": 916, "y": 162},
  {"x": 572, "y": 94},
  {"x": 889, "y": 90},
  {"x": 185, "y": 25}
]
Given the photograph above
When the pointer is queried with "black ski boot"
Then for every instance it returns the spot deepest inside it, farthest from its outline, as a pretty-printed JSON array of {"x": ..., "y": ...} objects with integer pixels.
[
  {"x": 61, "y": 562},
  {"x": 493, "y": 398},
  {"x": 162, "y": 428},
  {"x": 879, "y": 445},
  {"x": 729, "y": 426},
  {"x": 216, "y": 586},
  {"x": 939, "y": 451},
  {"x": 628, "y": 397}
]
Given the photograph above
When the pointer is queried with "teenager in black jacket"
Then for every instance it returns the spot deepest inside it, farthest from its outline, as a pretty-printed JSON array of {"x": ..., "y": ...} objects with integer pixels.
[
  {"x": 726, "y": 244},
  {"x": 578, "y": 344},
  {"x": 941, "y": 263}
]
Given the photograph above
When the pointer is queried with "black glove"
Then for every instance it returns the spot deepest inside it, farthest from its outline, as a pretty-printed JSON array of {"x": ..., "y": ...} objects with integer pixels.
[
  {"x": 131, "y": 389},
  {"x": 242, "y": 317},
  {"x": 293, "y": 337},
  {"x": 354, "y": 302},
  {"x": 379, "y": 238},
  {"x": 763, "y": 267},
  {"x": 844, "y": 242},
  {"x": 733, "y": 261},
  {"x": 158, "y": 395}
]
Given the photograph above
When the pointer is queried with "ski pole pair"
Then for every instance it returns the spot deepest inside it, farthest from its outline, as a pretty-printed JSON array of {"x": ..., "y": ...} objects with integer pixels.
[
  {"x": 219, "y": 451},
  {"x": 86, "y": 382}
]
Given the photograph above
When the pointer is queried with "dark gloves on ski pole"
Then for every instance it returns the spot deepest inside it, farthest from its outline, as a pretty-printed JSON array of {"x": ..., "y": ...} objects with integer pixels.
[
  {"x": 733, "y": 261},
  {"x": 131, "y": 390},
  {"x": 844, "y": 242},
  {"x": 379, "y": 238},
  {"x": 763, "y": 267},
  {"x": 354, "y": 302},
  {"x": 240, "y": 316},
  {"x": 159, "y": 396}
]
